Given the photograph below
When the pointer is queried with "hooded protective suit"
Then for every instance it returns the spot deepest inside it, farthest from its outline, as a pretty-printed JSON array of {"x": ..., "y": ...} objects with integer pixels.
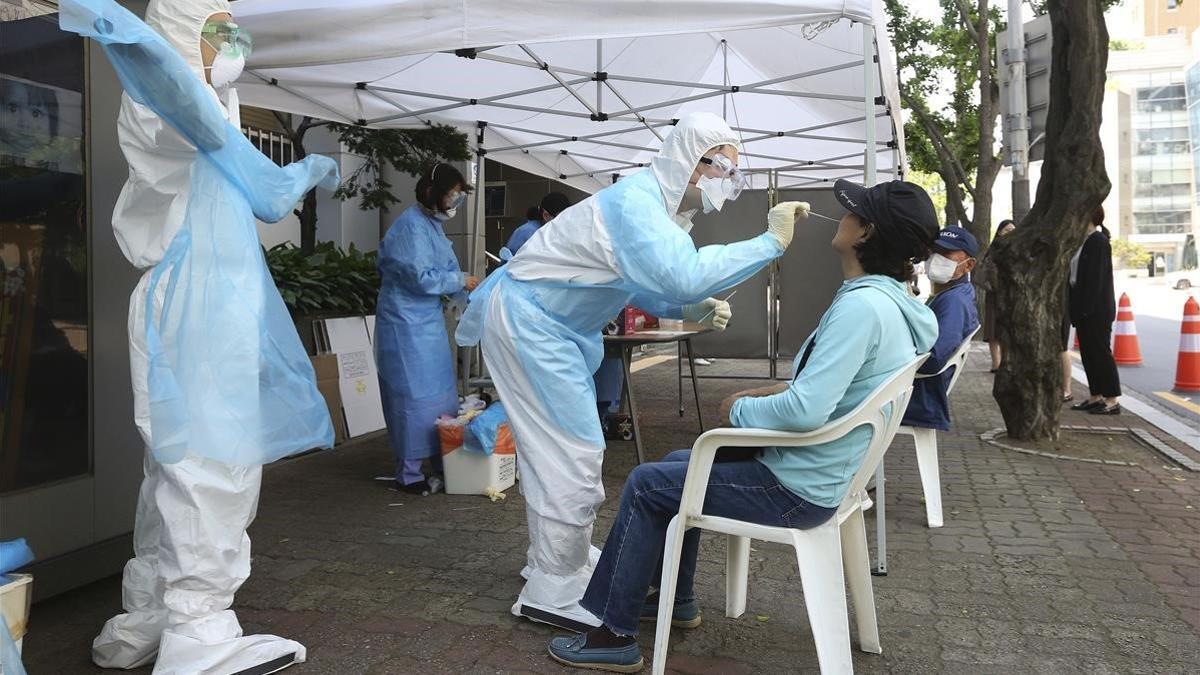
[
  {"x": 540, "y": 319},
  {"x": 221, "y": 382}
]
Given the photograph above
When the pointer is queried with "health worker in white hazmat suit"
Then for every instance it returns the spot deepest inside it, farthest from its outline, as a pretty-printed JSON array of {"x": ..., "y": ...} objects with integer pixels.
[
  {"x": 221, "y": 382},
  {"x": 540, "y": 317}
]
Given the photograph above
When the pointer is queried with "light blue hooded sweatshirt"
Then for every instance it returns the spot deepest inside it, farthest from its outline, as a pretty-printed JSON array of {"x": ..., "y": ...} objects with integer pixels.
[{"x": 872, "y": 329}]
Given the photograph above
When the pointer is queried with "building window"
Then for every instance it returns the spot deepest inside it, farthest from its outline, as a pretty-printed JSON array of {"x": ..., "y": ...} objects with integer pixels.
[
  {"x": 44, "y": 302},
  {"x": 272, "y": 143}
]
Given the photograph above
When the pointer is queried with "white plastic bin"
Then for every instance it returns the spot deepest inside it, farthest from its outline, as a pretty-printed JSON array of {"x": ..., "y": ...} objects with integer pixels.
[
  {"x": 16, "y": 594},
  {"x": 472, "y": 473}
]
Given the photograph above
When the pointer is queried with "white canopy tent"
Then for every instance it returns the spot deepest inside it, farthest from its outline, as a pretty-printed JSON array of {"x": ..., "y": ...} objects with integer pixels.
[{"x": 584, "y": 90}]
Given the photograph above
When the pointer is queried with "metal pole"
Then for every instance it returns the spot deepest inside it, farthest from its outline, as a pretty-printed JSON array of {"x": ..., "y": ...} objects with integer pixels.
[
  {"x": 599, "y": 68},
  {"x": 870, "y": 77},
  {"x": 1018, "y": 111},
  {"x": 772, "y": 287}
]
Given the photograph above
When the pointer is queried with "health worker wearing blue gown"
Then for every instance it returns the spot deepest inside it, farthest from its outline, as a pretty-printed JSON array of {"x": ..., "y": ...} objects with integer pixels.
[
  {"x": 416, "y": 369},
  {"x": 539, "y": 319},
  {"x": 551, "y": 205}
]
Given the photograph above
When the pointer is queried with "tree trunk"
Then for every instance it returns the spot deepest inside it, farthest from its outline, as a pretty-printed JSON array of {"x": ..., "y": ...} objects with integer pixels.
[
  {"x": 308, "y": 223},
  {"x": 1032, "y": 263},
  {"x": 989, "y": 107},
  {"x": 307, "y": 214}
]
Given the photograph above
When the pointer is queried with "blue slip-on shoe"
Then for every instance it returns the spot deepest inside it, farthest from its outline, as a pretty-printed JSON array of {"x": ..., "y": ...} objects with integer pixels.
[
  {"x": 686, "y": 614},
  {"x": 571, "y": 650}
]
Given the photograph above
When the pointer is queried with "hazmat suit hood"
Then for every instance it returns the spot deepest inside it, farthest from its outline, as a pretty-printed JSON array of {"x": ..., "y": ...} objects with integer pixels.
[
  {"x": 694, "y": 135},
  {"x": 180, "y": 21}
]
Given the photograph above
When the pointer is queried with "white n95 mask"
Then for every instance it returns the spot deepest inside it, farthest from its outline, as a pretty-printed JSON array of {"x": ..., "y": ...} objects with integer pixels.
[
  {"x": 226, "y": 69},
  {"x": 940, "y": 269}
]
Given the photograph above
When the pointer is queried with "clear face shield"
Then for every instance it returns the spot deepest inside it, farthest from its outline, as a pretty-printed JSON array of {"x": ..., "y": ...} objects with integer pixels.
[{"x": 225, "y": 37}]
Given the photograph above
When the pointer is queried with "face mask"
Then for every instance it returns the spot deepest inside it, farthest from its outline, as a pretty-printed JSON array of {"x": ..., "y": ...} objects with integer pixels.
[
  {"x": 443, "y": 216},
  {"x": 226, "y": 69},
  {"x": 940, "y": 269},
  {"x": 712, "y": 196}
]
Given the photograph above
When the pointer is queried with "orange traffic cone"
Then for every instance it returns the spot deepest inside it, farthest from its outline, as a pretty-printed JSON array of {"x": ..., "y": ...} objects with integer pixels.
[
  {"x": 1187, "y": 369},
  {"x": 1126, "y": 351}
]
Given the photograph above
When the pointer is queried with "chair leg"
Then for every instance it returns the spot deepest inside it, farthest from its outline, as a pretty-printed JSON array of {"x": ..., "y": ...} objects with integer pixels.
[
  {"x": 880, "y": 522},
  {"x": 737, "y": 575},
  {"x": 931, "y": 482},
  {"x": 672, "y": 550},
  {"x": 856, "y": 564},
  {"x": 819, "y": 556}
]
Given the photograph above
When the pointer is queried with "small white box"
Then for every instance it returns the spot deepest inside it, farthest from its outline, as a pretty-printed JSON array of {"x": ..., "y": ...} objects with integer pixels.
[
  {"x": 471, "y": 473},
  {"x": 16, "y": 594}
]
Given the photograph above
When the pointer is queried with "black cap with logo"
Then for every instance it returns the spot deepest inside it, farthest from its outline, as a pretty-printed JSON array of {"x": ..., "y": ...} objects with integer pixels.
[{"x": 901, "y": 212}]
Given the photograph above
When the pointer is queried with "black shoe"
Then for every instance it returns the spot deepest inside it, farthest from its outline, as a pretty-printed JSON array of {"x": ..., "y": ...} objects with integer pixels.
[
  {"x": 1114, "y": 409},
  {"x": 1086, "y": 406},
  {"x": 418, "y": 488}
]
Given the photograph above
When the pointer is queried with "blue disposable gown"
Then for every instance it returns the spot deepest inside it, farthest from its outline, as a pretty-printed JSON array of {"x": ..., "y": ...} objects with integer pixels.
[
  {"x": 228, "y": 378},
  {"x": 416, "y": 369},
  {"x": 521, "y": 235}
]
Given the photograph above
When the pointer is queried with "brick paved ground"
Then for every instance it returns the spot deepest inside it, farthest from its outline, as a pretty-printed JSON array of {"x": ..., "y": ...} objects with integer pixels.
[{"x": 1044, "y": 566}]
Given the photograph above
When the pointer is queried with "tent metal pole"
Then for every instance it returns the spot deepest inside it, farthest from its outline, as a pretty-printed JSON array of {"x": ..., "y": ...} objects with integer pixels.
[
  {"x": 625, "y": 101},
  {"x": 772, "y": 288},
  {"x": 283, "y": 87},
  {"x": 599, "y": 69},
  {"x": 480, "y": 176},
  {"x": 764, "y": 134},
  {"x": 558, "y": 78},
  {"x": 592, "y": 174},
  {"x": 870, "y": 76}
]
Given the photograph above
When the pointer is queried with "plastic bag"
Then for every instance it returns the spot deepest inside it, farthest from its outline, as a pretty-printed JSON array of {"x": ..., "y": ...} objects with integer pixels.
[{"x": 489, "y": 433}]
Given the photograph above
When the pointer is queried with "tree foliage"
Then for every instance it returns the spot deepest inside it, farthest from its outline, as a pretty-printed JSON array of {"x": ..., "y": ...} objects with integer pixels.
[
  {"x": 405, "y": 150},
  {"x": 1130, "y": 255},
  {"x": 947, "y": 73}
]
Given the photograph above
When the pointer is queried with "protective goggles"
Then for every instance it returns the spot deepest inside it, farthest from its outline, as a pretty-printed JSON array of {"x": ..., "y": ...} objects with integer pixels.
[
  {"x": 729, "y": 172},
  {"x": 456, "y": 200},
  {"x": 226, "y": 36}
]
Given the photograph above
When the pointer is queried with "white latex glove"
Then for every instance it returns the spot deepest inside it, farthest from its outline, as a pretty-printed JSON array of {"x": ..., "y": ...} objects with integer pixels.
[
  {"x": 781, "y": 220},
  {"x": 712, "y": 313}
]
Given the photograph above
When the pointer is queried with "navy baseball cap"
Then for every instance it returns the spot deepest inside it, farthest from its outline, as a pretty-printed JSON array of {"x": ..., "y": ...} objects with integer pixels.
[{"x": 955, "y": 238}]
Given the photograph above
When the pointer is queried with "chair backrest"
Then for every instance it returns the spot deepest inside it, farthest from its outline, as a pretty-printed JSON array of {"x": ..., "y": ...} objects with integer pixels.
[
  {"x": 957, "y": 361},
  {"x": 882, "y": 411}
]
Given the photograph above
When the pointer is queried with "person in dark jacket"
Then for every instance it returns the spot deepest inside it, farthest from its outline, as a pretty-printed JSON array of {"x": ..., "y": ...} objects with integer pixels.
[
  {"x": 985, "y": 279},
  {"x": 1093, "y": 307},
  {"x": 953, "y": 302}
]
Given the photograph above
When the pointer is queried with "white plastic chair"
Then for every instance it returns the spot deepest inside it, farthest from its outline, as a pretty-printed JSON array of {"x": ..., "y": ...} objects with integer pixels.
[
  {"x": 927, "y": 462},
  {"x": 822, "y": 552}
]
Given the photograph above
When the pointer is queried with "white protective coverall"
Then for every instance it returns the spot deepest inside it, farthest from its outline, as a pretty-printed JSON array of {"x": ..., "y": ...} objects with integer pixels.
[
  {"x": 540, "y": 317},
  {"x": 220, "y": 382}
]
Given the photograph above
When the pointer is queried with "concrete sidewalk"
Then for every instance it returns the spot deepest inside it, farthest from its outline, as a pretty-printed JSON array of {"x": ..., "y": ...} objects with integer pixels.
[{"x": 1044, "y": 565}]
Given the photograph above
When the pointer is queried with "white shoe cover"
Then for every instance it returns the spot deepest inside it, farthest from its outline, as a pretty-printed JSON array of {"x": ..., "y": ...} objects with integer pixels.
[
  {"x": 202, "y": 648},
  {"x": 128, "y": 640}
]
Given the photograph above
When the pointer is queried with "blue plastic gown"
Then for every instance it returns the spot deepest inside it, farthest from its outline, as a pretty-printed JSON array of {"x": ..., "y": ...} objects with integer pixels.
[
  {"x": 222, "y": 322},
  {"x": 522, "y": 235},
  {"x": 416, "y": 368}
]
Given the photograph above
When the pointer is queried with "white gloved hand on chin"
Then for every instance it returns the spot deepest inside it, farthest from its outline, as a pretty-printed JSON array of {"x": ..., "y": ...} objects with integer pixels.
[
  {"x": 712, "y": 313},
  {"x": 781, "y": 220}
]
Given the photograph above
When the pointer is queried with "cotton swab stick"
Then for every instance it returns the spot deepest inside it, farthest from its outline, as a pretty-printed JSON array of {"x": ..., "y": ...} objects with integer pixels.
[{"x": 715, "y": 309}]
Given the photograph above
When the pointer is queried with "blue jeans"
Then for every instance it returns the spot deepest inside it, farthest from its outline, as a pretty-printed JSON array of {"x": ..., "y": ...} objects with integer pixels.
[{"x": 632, "y": 558}]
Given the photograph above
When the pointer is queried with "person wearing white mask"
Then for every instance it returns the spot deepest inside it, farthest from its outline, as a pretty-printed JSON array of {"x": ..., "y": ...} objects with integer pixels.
[
  {"x": 416, "y": 369},
  {"x": 221, "y": 383},
  {"x": 953, "y": 302},
  {"x": 540, "y": 319}
]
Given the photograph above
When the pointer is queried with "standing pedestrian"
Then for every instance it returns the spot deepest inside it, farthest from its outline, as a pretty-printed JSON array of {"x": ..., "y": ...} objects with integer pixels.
[
  {"x": 1093, "y": 307},
  {"x": 986, "y": 281}
]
